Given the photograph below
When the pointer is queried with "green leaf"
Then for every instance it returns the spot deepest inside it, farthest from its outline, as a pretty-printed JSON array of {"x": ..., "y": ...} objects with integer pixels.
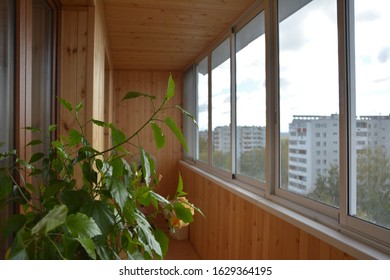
[
  {"x": 51, "y": 128},
  {"x": 14, "y": 224},
  {"x": 118, "y": 138},
  {"x": 32, "y": 129},
  {"x": 24, "y": 163},
  {"x": 89, "y": 173},
  {"x": 52, "y": 220},
  {"x": 135, "y": 94},
  {"x": 172, "y": 125},
  {"x": 34, "y": 142},
  {"x": 162, "y": 238},
  {"x": 102, "y": 248},
  {"x": 118, "y": 191},
  {"x": 18, "y": 250},
  {"x": 75, "y": 137},
  {"x": 179, "y": 190},
  {"x": 74, "y": 200},
  {"x": 79, "y": 106},
  {"x": 35, "y": 157},
  {"x": 159, "y": 137},
  {"x": 145, "y": 167},
  {"x": 117, "y": 167},
  {"x": 171, "y": 88},
  {"x": 187, "y": 114},
  {"x": 82, "y": 226},
  {"x": 100, "y": 123},
  {"x": 6, "y": 186},
  {"x": 146, "y": 236},
  {"x": 88, "y": 245},
  {"x": 66, "y": 104},
  {"x": 102, "y": 215},
  {"x": 183, "y": 213}
]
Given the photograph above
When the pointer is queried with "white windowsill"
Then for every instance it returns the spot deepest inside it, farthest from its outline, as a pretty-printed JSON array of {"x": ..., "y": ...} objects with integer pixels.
[{"x": 334, "y": 237}]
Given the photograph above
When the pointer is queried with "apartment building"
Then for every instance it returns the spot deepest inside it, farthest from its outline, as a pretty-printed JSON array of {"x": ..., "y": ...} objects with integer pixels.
[{"x": 314, "y": 145}]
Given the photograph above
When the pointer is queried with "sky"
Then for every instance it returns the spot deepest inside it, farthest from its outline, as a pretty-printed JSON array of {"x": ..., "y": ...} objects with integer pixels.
[{"x": 309, "y": 83}]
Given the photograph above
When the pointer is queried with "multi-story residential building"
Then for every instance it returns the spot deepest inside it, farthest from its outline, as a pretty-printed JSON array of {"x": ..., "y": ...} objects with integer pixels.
[
  {"x": 314, "y": 145},
  {"x": 248, "y": 138}
]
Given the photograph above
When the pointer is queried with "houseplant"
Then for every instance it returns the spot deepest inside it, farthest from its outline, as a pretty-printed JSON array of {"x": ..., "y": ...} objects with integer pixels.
[
  {"x": 179, "y": 213},
  {"x": 97, "y": 215}
]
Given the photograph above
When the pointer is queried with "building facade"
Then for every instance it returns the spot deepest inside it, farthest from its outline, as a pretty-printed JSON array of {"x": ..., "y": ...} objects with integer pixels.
[{"x": 314, "y": 145}]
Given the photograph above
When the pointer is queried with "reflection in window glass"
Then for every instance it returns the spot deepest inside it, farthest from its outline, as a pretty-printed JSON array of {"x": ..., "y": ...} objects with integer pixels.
[
  {"x": 220, "y": 100},
  {"x": 251, "y": 99},
  {"x": 309, "y": 99},
  {"x": 6, "y": 75},
  {"x": 370, "y": 143},
  {"x": 203, "y": 113},
  {"x": 42, "y": 70}
]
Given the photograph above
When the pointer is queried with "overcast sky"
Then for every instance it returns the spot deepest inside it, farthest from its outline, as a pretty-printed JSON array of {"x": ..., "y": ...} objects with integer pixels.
[{"x": 309, "y": 67}]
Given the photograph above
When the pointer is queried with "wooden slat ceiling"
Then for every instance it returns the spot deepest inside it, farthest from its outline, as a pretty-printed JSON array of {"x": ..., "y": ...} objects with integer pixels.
[{"x": 166, "y": 34}]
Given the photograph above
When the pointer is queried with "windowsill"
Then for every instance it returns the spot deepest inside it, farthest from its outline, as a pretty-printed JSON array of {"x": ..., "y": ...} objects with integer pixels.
[{"x": 330, "y": 234}]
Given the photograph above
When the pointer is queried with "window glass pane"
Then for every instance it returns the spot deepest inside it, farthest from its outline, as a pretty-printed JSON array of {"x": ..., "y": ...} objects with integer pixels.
[
  {"x": 6, "y": 75},
  {"x": 6, "y": 99},
  {"x": 203, "y": 113},
  {"x": 42, "y": 69},
  {"x": 251, "y": 99},
  {"x": 370, "y": 129},
  {"x": 221, "y": 117},
  {"x": 309, "y": 100},
  {"x": 189, "y": 101}
]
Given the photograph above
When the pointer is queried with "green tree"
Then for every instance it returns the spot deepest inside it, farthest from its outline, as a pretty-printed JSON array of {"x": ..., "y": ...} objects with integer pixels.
[
  {"x": 327, "y": 187},
  {"x": 203, "y": 149},
  {"x": 252, "y": 164},
  {"x": 221, "y": 160},
  {"x": 284, "y": 161},
  {"x": 373, "y": 186}
]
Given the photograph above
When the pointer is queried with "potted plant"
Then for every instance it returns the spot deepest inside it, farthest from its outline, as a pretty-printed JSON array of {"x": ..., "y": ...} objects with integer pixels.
[
  {"x": 179, "y": 213},
  {"x": 96, "y": 214}
]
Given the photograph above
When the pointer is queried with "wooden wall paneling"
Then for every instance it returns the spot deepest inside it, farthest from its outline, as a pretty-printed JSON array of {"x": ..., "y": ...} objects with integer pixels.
[
  {"x": 303, "y": 245},
  {"x": 81, "y": 60},
  {"x": 194, "y": 191},
  {"x": 73, "y": 54},
  {"x": 131, "y": 114},
  {"x": 237, "y": 229}
]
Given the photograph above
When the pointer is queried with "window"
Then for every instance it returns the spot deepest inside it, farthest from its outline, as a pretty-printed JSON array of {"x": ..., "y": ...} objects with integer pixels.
[
  {"x": 370, "y": 174},
  {"x": 189, "y": 101},
  {"x": 6, "y": 75},
  {"x": 250, "y": 98},
  {"x": 308, "y": 80},
  {"x": 6, "y": 94},
  {"x": 203, "y": 110},
  {"x": 43, "y": 69},
  {"x": 221, "y": 106},
  {"x": 228, "y": 145},
  {"x": 330, "y": 142}
]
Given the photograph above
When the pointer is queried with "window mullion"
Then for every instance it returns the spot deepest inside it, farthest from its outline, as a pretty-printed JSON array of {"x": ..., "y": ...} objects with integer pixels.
[
  {"x": 210, "y": 125},
  {"x": 343, "y": 103},
  {"x": 233, "y": 90}
]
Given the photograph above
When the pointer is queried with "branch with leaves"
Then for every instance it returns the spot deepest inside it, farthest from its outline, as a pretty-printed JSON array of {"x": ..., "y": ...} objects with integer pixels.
[{"x": 99, "y": 216}]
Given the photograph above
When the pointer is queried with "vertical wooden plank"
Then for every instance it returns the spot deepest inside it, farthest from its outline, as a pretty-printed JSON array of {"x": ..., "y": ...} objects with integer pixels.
[
  {"x": 266, "y": 236},
  {"x": 303, "y": 245},
  {"x": 313, "y": 248},
  {"x": 80, "y": 58},
  {"x": 68, "y": 67},
  {"x": 324, "y": 251}
]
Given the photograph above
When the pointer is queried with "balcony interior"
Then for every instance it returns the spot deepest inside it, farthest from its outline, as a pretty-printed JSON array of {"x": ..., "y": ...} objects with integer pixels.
[{"x": 109, "y": 47}]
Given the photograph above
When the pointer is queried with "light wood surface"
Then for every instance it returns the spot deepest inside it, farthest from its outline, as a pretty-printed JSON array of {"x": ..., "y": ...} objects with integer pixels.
[
  {"x": 129, "y": 115},
  {"x": 236, "y": 229},
  {"x": 169, "y": 34}
]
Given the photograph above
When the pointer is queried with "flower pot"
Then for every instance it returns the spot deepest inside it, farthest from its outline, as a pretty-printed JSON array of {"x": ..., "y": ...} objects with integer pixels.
[{"x": 179, "y": 233}]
